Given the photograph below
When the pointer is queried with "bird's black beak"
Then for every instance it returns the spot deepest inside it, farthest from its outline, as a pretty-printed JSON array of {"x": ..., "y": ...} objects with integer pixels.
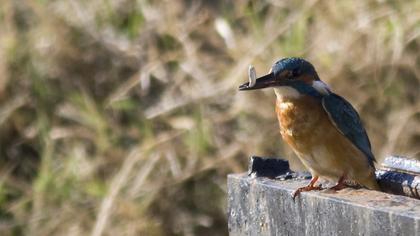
[{"x": 262, "y": 82}]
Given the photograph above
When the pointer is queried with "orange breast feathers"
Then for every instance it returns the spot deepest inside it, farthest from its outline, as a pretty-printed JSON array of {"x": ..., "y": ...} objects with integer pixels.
[{"x": 301, "y": 121}]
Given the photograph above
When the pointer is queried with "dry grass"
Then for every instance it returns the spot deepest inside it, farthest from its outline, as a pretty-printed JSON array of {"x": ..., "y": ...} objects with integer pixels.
[{"x": 122, "y": 117}]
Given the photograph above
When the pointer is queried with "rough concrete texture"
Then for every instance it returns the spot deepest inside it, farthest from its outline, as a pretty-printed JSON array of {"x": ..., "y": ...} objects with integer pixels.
[
  {"x": 260, "y": 206},
  {"x": 399, "y": 163}
]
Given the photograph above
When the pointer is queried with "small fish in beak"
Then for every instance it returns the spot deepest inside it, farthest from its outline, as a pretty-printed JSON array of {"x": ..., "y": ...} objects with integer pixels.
[
  {"x": 252, "y": 75},
  {"x": 264, "y": 81}
]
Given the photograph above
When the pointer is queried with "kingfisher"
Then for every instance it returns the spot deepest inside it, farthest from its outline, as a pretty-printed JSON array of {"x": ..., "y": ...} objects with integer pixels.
[{"x": 323, "y": 129}]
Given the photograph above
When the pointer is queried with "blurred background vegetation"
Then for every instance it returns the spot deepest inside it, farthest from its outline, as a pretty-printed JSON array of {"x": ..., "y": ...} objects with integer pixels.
[{"x": 122, "y": 117}]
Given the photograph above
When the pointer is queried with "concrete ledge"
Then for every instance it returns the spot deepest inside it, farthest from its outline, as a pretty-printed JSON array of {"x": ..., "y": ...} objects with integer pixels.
[{"x": 261, "y": 206}]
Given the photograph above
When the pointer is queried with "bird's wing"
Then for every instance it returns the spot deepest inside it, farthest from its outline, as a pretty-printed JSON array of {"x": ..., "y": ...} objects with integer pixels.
[{"x": 347, "y": 121}]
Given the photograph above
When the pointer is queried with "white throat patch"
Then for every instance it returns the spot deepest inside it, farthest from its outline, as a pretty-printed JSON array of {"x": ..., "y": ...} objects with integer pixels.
[
  {"x": 321, "y": 87},
  {"x": 285, "y": 92}
]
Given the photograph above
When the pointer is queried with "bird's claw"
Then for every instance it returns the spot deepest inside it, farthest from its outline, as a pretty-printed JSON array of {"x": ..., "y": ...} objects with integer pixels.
[
  {"x": 340, "y": 184},
  {"x": 305, "y": 189},
  {"x": 338, "y": 187}
]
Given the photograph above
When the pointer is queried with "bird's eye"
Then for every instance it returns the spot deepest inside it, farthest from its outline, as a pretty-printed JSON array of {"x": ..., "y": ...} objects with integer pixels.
[{"x": 295, "y": 72}]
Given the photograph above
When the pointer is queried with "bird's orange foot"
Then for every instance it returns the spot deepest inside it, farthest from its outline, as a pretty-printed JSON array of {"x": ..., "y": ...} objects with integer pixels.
[
  {"x": 311, "y": 186},
  {"x": 305, "y": 189},
  {"x": 340, "y": 184}
]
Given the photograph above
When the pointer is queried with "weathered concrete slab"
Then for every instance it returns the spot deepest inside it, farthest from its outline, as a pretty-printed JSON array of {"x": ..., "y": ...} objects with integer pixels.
[
  {"x": 398, "y": 175},
  {"x": 262, "y": 206}
]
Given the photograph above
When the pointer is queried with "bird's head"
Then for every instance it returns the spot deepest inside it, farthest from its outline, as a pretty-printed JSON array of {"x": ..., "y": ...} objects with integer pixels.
[{"x": 289, "y": 72}]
